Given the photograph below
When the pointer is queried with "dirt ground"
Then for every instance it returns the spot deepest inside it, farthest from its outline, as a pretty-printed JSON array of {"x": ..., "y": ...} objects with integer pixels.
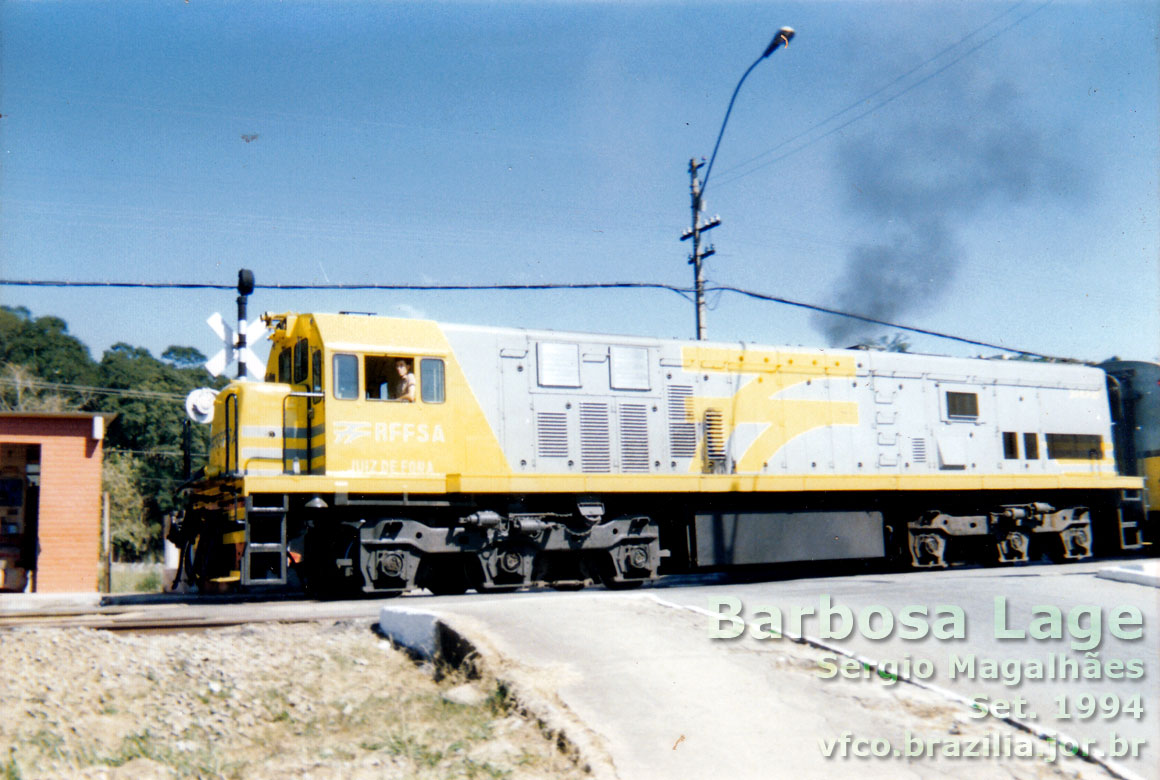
[{"x": 306, "y": 700}]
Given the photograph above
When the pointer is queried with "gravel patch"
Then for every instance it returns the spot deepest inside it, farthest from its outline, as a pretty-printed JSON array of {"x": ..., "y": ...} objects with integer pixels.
[{"x": 304, "y": 700}]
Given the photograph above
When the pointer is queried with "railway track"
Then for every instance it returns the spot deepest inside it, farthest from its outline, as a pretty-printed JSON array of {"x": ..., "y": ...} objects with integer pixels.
[
  {"x": 186, "y": 617},
  {"x": 192, "y": 613}
]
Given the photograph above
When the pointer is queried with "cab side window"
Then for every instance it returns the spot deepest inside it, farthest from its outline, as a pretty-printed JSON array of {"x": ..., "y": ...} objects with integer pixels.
[
  {"x": 316, "y": 371},
  {"x": 389, "y": 378},
  {"x": 431, "y": 380},
  {"x": 346, "y": 376}
]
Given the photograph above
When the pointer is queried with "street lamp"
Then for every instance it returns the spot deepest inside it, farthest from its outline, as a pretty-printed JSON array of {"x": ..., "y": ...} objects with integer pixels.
[{"x": 697, "y": 188}]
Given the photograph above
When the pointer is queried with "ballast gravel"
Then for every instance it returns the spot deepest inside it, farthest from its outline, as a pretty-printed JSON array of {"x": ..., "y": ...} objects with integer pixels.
[{"x": 302, "y": 700}]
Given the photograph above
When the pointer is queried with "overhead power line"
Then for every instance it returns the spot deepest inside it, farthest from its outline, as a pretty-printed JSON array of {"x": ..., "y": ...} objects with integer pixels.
[
  {"x": 737, "y": 172},
  {"x": 38, "y": 384},
  {"x": 684, "y": 292},
  {"x": 873, "y": 321},
  {"x": 203, "y": 286}
]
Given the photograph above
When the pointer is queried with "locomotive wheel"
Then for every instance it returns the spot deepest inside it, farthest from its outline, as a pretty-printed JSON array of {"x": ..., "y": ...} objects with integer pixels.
[
  {"x": 447, "y": 588},
  {"x": 447, "y": 578},
  {"x": 197, "y": 564},
  {"x": 606, "y": 573},
  {"x": 201, "y": 570},
  {"x": 612, "y": 584},
  {"x": 321, "y": 576}
]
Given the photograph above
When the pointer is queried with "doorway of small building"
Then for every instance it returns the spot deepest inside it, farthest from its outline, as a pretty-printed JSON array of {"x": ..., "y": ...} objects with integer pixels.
[{"x": 19, "y": 516}]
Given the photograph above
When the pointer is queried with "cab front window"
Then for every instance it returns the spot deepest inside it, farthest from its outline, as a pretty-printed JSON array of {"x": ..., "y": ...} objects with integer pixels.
[
  {"x": 285, "y": 357},
  {"x": 316, "y": 371}
]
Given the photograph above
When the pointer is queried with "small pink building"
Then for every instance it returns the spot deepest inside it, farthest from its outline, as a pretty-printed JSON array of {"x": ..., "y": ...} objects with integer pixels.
[{"x": 50, "y": 500}]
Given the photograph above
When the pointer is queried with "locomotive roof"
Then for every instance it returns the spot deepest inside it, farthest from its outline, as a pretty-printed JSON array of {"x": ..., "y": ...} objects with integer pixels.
[{"x": 375, "y": 330}]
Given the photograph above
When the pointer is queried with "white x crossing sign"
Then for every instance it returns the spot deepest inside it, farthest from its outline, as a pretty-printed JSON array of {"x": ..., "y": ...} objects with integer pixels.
[{"x": 228, "y": 356}]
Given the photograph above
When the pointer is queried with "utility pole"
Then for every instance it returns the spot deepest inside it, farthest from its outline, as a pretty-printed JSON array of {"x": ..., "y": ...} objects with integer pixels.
[
  {"x": 696, "y": 188},
  {"x": 698, "y": 255}
]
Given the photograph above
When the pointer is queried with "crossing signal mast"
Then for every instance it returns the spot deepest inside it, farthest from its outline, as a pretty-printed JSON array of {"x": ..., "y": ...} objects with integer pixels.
[
  {"x": 237, "y": 341},
  {"x": 697, "y": 190}
]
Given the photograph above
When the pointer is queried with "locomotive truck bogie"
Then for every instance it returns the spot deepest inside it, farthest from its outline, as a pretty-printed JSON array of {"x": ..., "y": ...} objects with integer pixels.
[{"x": 385, "y": 455}]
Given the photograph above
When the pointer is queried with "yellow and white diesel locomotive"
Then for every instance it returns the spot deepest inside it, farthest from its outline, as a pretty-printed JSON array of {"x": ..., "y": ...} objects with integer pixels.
[{"x": 383, "y": 454}]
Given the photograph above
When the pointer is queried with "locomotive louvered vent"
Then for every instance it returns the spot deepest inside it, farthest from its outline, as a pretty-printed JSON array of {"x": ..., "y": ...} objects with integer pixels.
[
  {"x": 552, "y": 434},
  {"x": 682, "y": 431},
  {"x": 918, "y": 450},
  {"x": 595, "y": 453},
  {"x": 714, "y": 434},
  {"x": 633, "y": 437}
]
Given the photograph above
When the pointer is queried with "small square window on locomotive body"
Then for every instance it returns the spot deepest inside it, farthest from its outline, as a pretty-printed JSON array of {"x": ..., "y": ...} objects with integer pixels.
[
  {"x": 962, "y": 406},
  {"x": 1010, "y": 445},
  {"x": 1031, "y": 446}
]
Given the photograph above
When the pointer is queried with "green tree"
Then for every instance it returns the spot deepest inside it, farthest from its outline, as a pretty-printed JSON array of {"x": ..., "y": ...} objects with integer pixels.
[
  {"x": 21, "y": 391},
  {"x": 143, "y": 444},
  {"x": 183, "y": 357},
  {"x": 44, "y": 347},
  {"x": 134, "y": 535},
  {"x": 893, "y": 343},
  {"x": 150, "y": 427}
]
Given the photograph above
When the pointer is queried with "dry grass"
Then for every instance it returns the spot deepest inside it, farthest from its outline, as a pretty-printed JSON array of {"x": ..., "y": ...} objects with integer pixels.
[{"x": 300, "y": 700}]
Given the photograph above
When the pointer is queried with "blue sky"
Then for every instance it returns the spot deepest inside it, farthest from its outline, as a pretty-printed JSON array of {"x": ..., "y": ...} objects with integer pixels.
[{"x": 984, "y": 169}]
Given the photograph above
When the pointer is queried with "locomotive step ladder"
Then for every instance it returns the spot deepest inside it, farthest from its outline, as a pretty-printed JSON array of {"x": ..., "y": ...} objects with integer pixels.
[
  {"x": 1131, "y": 515},
  {"x": 264, "y": 554}
]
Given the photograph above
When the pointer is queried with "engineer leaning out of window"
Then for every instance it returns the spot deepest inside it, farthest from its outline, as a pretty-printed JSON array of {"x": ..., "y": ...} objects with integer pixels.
[{"x": 405, "y": 388}]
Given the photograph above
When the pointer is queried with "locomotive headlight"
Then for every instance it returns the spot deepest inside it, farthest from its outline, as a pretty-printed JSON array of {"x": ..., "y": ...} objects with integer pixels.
[{"x": 199, "y": 404}]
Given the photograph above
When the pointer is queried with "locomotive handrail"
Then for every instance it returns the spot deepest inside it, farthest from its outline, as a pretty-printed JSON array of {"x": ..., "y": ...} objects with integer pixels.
[
  {"x": 309, "y": 453},
  {"x": 232, "y": 398}
]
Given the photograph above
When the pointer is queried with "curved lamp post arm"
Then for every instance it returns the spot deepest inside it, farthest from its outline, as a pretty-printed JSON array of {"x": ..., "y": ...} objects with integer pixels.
[
  {"x": 697, "y": 190},
  {"x": 782, "y": 38}
]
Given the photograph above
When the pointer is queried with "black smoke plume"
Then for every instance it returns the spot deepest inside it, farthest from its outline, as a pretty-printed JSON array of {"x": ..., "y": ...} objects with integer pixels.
[{"x": 916, "y": 183}]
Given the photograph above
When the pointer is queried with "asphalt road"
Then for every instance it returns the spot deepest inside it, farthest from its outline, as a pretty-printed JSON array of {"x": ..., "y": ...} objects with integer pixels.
[
  {"x": 648, "y": 686},
  {"x": 1046, "y": 683},
  {"x": 665, "y": 698}
]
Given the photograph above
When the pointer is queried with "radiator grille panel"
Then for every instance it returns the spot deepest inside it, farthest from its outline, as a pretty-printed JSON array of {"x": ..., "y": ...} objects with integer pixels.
[
  {"x": 714, "y": 434},
  {"x": 552, "y": 434},
  {"x": 634, "y": 437},
  {"x": 595, "y": 452},
  {"x": 918, "y": 450},
  {"x": 682, "y": 432}
]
